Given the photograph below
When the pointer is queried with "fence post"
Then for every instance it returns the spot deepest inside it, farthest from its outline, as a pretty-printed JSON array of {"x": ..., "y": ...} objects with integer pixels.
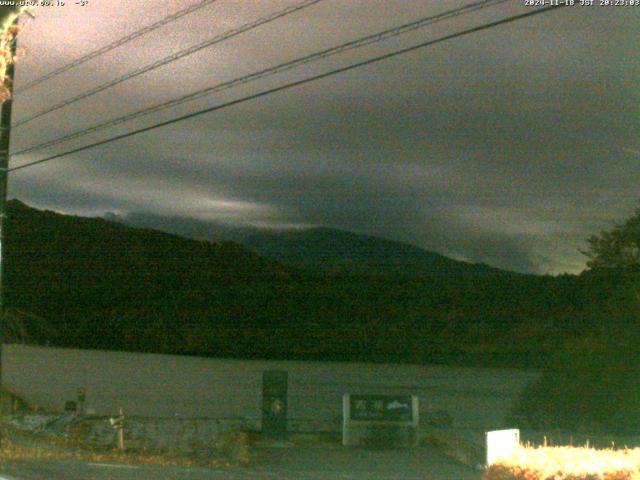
[
  {"x": 121, "y": 431},
  {"x": 118, "y": 424}
]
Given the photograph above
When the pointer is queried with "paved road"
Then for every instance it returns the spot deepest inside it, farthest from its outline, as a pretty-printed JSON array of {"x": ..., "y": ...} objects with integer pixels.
[{"x": 324, "y": 463}]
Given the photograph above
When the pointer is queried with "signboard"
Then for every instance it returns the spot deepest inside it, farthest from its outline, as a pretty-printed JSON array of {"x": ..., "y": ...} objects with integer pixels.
[
  {"x": 501, "y": 444},
  {"x": 274, "y": 403},
  {"x": 381, "y": 407},
  {"x": 374, "y": 419}
]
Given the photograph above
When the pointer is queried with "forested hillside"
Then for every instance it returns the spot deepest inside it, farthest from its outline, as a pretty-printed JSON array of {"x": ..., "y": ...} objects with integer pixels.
[{"x": 100, "y": 284}]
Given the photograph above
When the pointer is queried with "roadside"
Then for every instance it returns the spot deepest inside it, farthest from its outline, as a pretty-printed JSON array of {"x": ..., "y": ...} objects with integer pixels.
[
  {"x": 320, "y": 463},
  {"x": 268, "y": 463},
  {"x": 303, "y": 456}
]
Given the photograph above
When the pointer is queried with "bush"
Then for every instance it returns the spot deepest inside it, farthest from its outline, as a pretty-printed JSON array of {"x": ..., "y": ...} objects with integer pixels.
[
  {"x": 563, "y": 463},
  {"x": 503, "y": 472},
  {"x": 590, "y": 385}
]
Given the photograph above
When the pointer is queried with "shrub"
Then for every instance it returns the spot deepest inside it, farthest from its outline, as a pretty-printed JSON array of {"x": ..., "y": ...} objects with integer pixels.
[
  {"x": 589, "y": 385},
  {"x": 564, "y": 463}
]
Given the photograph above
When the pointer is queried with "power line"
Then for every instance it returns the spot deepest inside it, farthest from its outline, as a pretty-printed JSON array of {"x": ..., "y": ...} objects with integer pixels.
[
  {"x": 287, "y": 86},
  {"x": 172, "y": 58},
  {"x": 117, "y": 43},
  {"x": 354, "y": 44}
]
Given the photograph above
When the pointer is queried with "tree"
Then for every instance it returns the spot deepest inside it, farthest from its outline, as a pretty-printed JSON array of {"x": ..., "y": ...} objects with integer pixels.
[
  {"x": 7, "y": 14},
  {"x": 591, "y": 384},
  {"x": 616, "y": 254},
  {"x": 593, "y": 380},
  {"x": 618, "y": 249},
  {"x": 8, "y": 31}
]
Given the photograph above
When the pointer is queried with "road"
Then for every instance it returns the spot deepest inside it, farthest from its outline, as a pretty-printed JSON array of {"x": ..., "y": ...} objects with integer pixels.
[{"x": 326, "y": 463}]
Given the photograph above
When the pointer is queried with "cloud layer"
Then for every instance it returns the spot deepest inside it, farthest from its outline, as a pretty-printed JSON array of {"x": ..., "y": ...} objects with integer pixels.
[{"x": 508, "y": 147}]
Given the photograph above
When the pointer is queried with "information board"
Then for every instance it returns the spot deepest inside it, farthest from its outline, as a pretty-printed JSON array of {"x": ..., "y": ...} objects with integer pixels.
[
  {"x": 390, "y": 420},
  {"x": 381, "y": 407}
]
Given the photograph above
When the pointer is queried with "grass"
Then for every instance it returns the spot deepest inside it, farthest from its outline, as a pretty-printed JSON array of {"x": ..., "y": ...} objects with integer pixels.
[
  {"x": 10, "y": 451},
  {"x": 566, "y": 463},
  {"x": 230, "y": 449}
]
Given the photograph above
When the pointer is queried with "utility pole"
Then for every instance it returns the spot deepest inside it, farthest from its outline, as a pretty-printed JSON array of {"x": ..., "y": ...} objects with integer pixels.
[{"x": 5, "y": 137}]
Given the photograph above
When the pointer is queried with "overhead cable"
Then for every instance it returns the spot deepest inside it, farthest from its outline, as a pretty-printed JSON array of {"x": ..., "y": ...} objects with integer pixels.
[
  {"x": 171, "y": 58},
  {"x": 115, "y": 44},
  {"x": 297, "y": 83},
  {"x": 344, "y": 47}
]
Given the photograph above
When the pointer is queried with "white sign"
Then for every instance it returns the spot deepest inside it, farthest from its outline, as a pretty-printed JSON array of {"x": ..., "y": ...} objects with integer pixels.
[{"x": 501, "y": 444}]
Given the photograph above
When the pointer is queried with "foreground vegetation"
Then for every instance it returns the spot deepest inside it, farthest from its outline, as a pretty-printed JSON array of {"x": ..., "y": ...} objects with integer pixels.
[
  {"x": 591, "y": 382},
  {"x": 566, "y": 463},
  {"x": 230, "y": 448}
]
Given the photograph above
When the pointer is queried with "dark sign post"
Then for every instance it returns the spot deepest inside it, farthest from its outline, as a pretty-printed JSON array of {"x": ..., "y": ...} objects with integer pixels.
[
  {"x": 82, "y": 396},
  {"x": 274, "y": 404}
]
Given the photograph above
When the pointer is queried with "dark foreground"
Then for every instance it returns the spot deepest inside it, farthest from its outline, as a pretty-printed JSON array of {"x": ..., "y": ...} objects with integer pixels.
[{"x": 299, "y": 463}]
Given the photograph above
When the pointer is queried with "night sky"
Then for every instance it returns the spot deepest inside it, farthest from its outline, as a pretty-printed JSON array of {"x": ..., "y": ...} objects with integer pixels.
[{"x": 509, "y": 146}]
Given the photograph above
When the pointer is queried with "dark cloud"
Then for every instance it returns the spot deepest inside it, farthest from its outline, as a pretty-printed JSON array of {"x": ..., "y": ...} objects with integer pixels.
[{"x": 509, "y": 147}]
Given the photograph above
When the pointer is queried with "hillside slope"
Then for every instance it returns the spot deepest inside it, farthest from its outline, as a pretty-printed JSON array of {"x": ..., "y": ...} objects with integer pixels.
[
  {"x": 326, "y": 250},
  {"x": 331, "y": 250},
  {"x": 100, "y": 284},
  {"x": 90, "y": 277}
]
